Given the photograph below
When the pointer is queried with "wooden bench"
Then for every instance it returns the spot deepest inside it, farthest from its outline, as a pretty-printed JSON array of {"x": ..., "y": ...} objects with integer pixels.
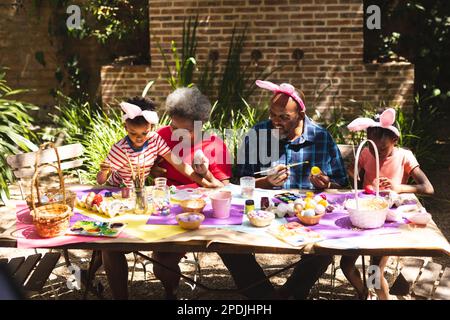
[
  {"x": 31, "y": 273},
  {"x": 422, "y": 280}
]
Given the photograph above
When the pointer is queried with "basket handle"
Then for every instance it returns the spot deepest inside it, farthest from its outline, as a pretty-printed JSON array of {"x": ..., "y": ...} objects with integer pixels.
[
  {"x": 37, "y": 166},
  {"x": 355, "y": 173}
]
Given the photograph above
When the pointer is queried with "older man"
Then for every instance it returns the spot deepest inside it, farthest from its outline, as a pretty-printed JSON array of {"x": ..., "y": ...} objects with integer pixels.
[
  {"x": 291, "y": 137},
  {"x": 288, "y": 137}
]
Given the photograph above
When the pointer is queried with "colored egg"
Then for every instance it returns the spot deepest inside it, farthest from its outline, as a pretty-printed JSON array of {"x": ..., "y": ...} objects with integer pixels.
[
  {"x": 308, "y": 213},
  {"x": 315, "y": 170},
  {"x": 323, "y": 203},
  {"x": 320, "y": 209},
  {"x": 318, "y": 198},
  {"x": 309, "y": 194}
]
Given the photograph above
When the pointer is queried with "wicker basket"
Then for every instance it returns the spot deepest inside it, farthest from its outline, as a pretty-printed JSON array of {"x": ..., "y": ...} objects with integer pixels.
[
  {"x": 361, "y": 215},
  {"x": 50, "y": 220}
]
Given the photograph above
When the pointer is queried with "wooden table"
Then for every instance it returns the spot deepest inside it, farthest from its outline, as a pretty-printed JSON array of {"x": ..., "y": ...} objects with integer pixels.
[{"x": 411, "y": 241}]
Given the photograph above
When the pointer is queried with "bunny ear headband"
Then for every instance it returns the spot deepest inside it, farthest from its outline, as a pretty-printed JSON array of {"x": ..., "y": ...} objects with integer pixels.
[
  {"x": 285, "y": 88},
  {"x": 387, "y": 119},
  {"x": 132, "y": 111}
]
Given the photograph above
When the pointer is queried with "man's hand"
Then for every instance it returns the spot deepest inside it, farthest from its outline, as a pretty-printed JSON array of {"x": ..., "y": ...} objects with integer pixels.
[
  {"x": 277, "y": 176},
  {"x": 320, "y": 181},
  {"x": 156, "y": 171}
]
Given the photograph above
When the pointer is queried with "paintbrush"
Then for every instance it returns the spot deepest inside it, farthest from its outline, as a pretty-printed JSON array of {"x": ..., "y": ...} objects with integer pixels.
[{"x": 288, "y": 166}]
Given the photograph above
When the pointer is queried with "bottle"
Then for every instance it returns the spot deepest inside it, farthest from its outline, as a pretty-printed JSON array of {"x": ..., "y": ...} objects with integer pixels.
[
  {"x": 265, "y": 203},
  {"x": 249, "y": 206}
]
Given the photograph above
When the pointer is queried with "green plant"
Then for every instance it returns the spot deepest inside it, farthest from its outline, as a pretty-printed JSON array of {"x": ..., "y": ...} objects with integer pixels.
[
  {"x": 104, "y": 131},
  {"x": 15, "y": 130},
  {"x": 74, "y": 118},
  {"x": 183, "y": 72}
]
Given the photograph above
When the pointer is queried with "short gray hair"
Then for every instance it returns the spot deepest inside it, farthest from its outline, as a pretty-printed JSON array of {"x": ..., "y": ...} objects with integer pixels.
[{"x": 188, "y": 103}]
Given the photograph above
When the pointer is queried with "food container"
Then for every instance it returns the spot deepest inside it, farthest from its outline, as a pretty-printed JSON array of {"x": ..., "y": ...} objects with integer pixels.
[
  {"x": 193, "y": 205},
  {"x": 260, "y": 218},
  {"x": 190, "y": 220}
]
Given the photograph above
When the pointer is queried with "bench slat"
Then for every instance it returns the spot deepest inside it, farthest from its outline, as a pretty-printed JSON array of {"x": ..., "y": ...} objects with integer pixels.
[
  {"x": 443, "y": 289},
  {"x": 42, "y": 271},
  {"x": 28, "y": 172},
  {"x": 408, "y": 275},
  {"x": 425, "y": 284},
  {"x": 25, "y": 269},
  {"x": 3, "y": 262},
  {"x": 47, "y": 156},
  {"x": 15, "y": 263}
]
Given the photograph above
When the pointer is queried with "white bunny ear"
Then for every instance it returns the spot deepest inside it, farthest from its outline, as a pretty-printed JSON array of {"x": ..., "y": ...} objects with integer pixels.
[
  {"x": 150, "y": 116},
  {"x": 267, "y": 85},
  {"x": 360, "y": 124},
  {"x": 387, "y": 118},
  {"x": 131, "y": 110}
]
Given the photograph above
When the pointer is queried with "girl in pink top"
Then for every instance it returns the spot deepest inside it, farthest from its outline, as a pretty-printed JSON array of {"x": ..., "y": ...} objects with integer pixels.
[{"x": 397, "y": 166}]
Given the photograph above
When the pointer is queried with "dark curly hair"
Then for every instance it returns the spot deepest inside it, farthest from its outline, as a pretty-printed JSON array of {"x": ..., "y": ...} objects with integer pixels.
[{"x": 144, "y": 104}]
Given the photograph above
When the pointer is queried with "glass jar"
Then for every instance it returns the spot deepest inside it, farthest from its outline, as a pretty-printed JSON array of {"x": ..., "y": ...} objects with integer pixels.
[
  {"x": 140, "y": 204},
  {"x": 161, "y": 197}
]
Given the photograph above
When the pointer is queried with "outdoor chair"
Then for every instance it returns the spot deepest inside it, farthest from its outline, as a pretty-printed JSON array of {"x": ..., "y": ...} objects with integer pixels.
[
  {"x": 23, "y": 167},
  {"x": 32, "y": 273}
]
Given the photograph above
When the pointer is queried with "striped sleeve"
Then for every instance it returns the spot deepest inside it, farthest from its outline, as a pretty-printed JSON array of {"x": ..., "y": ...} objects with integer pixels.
[
  {"x": 116, "y": 157},
  {"x": 161, "y": 146}
]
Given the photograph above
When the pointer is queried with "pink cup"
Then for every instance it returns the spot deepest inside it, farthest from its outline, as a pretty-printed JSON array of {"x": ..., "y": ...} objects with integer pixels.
[{"x": 221, "y": 204}]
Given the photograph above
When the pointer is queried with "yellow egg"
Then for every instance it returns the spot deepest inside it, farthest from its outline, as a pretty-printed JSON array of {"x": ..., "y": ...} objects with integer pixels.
[
  {"x": 323, "y": 202},
  {"x": 309, "y": 194},
  {"x": 309, "y": 206},
  {"x": 315, "y": 171}
]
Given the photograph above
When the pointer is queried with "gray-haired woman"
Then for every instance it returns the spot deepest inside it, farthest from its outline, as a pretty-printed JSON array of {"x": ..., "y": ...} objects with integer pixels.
[{"x": 188, "y": 109}]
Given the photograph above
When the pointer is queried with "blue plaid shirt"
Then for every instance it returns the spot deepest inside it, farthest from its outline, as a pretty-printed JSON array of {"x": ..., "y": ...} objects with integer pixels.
[{"x": 315, "y": 145}]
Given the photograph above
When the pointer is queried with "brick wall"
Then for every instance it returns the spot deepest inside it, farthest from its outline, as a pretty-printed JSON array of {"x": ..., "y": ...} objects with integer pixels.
[
  {"x": 329, "y": 32},
  {"x": 22, "y": 34}
]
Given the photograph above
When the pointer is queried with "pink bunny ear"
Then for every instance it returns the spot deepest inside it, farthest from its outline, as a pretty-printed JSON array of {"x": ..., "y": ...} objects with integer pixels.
[
  {"x": 360, "y": 124},
  {"x": 150, "y": 116},
  {"x": 267, "y": 85},
  {"x": 287, "y": 88},
  {"x": 387, "y": 118},
  {"x": 131, "y": 110}
]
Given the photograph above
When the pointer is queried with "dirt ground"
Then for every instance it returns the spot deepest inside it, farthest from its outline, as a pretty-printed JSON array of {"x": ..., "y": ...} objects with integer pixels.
[{"x": 215, "y": 275}]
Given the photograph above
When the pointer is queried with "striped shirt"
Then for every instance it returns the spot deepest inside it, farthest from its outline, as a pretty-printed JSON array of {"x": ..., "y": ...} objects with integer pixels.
[
  {"x": 315, "y": 145},
  {"x": 122, "y": 154}
]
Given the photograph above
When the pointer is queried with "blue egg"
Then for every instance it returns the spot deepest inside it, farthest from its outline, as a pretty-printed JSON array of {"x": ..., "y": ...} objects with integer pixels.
[{"x": 308, "y": 213}]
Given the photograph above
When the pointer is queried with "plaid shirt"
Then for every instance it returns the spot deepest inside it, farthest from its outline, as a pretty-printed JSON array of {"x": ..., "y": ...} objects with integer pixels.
[{"x": 315, "y": 145}]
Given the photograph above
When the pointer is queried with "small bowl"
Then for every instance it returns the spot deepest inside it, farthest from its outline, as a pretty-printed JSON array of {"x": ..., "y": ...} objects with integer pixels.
[
  {"x": 310, "y": 221},
  {"x": 193, "y": 205},
  {"x": 260, "y": 221},
  {"x": 189, "y": 225}
]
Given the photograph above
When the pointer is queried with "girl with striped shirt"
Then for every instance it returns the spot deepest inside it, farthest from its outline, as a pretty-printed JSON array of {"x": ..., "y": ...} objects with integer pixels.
[{"x": 139, "y": 149}]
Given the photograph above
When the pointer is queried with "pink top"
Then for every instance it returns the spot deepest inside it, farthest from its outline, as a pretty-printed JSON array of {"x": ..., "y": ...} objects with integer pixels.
[{"x": 397, "y": 166}]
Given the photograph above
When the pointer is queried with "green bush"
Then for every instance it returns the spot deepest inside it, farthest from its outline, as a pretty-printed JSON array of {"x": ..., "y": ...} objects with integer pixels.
[{"x": 15, "y": 130}]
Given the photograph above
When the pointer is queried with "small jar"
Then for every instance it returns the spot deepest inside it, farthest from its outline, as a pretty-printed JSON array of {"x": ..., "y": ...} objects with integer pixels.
[
  {"x": 125, "y": 192},
  {"x": 249, "y": 206},
  {"x": 265, "y": 203}
]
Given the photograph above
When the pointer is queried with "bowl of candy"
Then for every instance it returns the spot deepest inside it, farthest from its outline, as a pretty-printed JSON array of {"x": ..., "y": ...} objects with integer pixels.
[
  {"x": 190, "y": 220},
  {"x": 260, "y": 218},
  {"x": 193, "y": 205}
]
